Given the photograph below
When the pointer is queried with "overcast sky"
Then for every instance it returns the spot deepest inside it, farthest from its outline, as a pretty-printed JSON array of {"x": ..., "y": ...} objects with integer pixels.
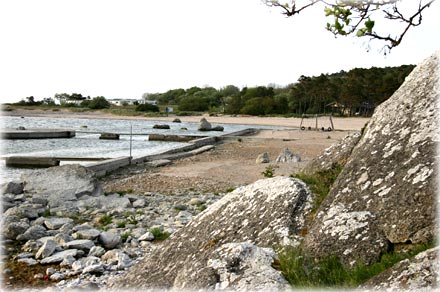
[{"x": 122, "y": 49}]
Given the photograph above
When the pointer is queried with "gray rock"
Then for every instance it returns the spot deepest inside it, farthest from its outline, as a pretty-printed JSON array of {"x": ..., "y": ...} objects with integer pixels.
[
  {"x": 269, "y": 212},
  {"x": 62, "y": 238},
  {"x": 109, "y": 240},
  {"x": 94, "y": 269},
  {"x": 14, "y": 229},
  {"x": 57, "y": 277},
  {"x": 62, "y": 184},
  {"x": 384, "y": 195},
  {"x": 118, "y": 258},
  {"x": 420, "y": 273},
  {"x": 286, "y": 156},
  {"x": 335, "y": 155},
  {"x": 33, "y": 233},
  {"x": 59, "y": 257},
  {"x": 139, "y": 203},
  {"x": 56, "y": 223},
  {"x": 80, "y": 264},
  {"x": 97, "y": 251},
  {"x": 113, "y": 201},
  {"x": 148, "y": 236},
  {"x": 204, "y": 125},
  {"x": 177, "y": 120},
  {"x": 263, "y": 158},
  {"x": 31, "y": 246},
  {"x": 245, "y": 267},
  {"x": 217, "y": 128},
  {"x": 82, "y": 244},
  {"x": 46, "y": 250},
  {"x": 28, "y": 261},
  {"x": 161, "y": 127},
  {"x": 13, "y": 187},
  {"x": 91, "y": 234}
]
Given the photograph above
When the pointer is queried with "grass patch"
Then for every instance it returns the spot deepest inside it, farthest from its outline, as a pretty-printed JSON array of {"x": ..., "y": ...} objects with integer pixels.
[
  {"x": 120, "y": 224},
  {"x": 105, "y": 220},
  {"x": 320, "y": 183},
  {"x": 159, "y": 234},
  {"x": 302, "y": 270}
]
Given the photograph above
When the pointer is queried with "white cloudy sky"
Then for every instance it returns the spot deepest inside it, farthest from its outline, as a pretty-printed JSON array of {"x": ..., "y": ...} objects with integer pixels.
[{"x": 121, "y": 49}]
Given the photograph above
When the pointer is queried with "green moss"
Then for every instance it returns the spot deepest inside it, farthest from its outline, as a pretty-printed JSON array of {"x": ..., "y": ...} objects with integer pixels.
[{"x": 105, "y": 220}]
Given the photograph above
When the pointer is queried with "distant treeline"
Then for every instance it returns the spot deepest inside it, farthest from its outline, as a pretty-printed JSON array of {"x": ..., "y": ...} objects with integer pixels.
[{"x": 346, "y": 93}]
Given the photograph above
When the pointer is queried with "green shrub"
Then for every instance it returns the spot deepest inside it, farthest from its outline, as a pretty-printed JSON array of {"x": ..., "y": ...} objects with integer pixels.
[
  {"x": 269, "y": 171},
  {"x": 159, "y": 234},
  {"x": 121, "y": 224},
  {"x": 146, "y": 107}
]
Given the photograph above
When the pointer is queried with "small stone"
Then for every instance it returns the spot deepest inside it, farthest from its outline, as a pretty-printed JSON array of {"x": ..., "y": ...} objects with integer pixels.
[
  {"x": 139, "y": 203},
  {"x": 59, "y": 256},
  {"x": 263, "y": 158},
  {"x": 57, "y": 277},
  {"x": 148, "y": 236},
  {"x": 90, "y": 234},
  {"x": 28, "y": 261},
  {"x": 56, "y": 223},
  {"x": 97, "y": 251},
  {"x": 82, "y": 244},
  {"x": 50, "y": 271},
  {"x": 109, "y": 240},
  {"x": 47, "y": 249},
  {"x": 94, "y": 269},
  {"x": 34, "y": 232}
]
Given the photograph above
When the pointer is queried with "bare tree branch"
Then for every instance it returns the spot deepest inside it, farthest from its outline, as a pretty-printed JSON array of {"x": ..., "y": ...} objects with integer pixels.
[{"x": 351, "y": 15}]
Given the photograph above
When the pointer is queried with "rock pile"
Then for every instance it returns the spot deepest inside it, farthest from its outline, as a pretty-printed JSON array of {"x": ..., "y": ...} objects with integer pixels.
[{"x": 90, "y": 235}]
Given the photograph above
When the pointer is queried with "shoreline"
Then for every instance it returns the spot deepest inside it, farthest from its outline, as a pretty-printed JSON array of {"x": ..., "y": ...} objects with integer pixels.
[{"x": 344, "y": 124}]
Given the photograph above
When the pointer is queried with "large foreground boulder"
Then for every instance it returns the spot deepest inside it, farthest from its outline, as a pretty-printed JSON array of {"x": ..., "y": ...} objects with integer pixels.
[
  {"x": 269, "y": 213},
  {"x": 62, "y": 184},
  {"x": 385, "y": 194}
]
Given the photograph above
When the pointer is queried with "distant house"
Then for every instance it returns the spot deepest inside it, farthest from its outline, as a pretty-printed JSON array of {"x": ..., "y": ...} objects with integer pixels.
[{"x": 121, "y": 102}]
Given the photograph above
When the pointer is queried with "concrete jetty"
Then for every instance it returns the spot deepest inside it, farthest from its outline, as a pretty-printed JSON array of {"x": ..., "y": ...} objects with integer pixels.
[{"x": 23, "y": 133}]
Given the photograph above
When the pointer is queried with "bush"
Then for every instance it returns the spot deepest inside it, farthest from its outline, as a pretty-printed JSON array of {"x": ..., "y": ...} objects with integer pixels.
[
  {"x": 99, "y": 102},
  {"x": 159, "y": 234},
  {"x": 146, "y": 107}
]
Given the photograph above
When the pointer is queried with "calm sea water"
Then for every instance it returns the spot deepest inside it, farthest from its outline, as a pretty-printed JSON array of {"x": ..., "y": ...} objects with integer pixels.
[{"x": 89, "y": 145}]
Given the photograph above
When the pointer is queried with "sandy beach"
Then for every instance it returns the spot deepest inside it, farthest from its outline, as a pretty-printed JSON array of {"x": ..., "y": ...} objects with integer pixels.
[{"x": 230, "y": 164}]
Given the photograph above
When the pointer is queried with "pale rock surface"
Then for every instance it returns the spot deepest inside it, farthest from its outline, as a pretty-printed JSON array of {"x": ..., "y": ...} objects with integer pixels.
[
  {"x": 420, "y": 273},
  {"x": 240, "y": 266},
  {"x": 385, "y": 194},
  {"x": 266, "y": 213},
  {"x": 62, "y": 183}
]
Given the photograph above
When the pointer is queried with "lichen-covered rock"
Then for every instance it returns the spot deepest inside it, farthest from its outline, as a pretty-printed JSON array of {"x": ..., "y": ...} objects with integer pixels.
[
  {"x": 62, "y": 184},
  {"x": 267, "y": 213},
  {"x": 420, "y": 273},
  {"x": 246, "y": 267},
  {"x": 287, "y": 156},
  {"x": 385, "y": 194},
  {"x": 335, "y": 155}
]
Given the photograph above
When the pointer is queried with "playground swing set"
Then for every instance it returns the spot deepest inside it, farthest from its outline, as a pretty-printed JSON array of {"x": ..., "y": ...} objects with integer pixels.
[{"x": 330, "y": 127}]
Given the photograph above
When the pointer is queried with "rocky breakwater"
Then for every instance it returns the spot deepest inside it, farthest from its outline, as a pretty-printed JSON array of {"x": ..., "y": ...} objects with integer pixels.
[
  {"x": 229, "y": 245},
  {"x": 61, "y": 217},
  {"x": 384, "y": 198}
]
